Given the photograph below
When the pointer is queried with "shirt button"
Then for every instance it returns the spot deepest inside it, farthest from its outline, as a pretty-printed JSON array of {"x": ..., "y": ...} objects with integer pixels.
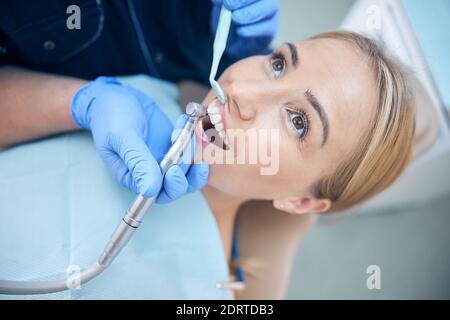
[{"x": 49, "y": 45}]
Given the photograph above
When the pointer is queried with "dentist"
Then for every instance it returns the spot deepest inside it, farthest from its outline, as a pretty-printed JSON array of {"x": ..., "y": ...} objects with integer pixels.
[{"x": 56, "y": 58}]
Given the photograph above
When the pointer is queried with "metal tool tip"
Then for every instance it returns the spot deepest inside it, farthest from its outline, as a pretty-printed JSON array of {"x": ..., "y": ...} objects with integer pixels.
[{"x": 194, "y": 109}]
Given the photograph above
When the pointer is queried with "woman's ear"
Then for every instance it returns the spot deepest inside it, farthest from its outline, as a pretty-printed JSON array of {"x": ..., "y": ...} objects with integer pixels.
[{"x": 302, "y": 205}]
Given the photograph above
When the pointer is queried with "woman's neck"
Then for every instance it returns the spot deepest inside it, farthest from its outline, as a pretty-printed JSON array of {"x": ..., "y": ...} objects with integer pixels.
[{"x": 224, "y": 207}]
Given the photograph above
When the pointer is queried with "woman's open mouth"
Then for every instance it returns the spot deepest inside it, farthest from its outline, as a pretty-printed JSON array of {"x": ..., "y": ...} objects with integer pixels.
[{"x": 213, "y": 125}]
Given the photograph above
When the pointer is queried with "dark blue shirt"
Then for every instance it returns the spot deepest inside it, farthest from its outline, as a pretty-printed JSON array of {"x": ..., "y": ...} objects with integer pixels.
[{"x": 169, "y": 39}]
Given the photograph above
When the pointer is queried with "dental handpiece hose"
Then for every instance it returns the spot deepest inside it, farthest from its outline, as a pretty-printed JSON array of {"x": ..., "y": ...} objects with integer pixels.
[{"x": 130, "y": 222}]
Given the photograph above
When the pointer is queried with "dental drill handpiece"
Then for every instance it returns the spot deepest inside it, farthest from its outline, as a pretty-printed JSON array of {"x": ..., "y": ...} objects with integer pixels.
[
  {"x": 136, "y": 212},
  {"x": 130, "y": 222}
]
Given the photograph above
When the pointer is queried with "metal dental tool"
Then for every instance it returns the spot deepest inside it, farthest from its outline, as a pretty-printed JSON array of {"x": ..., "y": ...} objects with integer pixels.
[{"x": 130, "y": 222}]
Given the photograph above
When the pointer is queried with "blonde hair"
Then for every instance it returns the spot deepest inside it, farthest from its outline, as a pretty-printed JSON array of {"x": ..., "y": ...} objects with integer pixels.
[{"x": 386, "y": 147}]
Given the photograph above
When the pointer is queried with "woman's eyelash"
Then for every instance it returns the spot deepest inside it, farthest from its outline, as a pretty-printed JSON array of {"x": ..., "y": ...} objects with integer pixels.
[
  {"x": 299, "y": 120},
  {"x": 277, "y": 63}
]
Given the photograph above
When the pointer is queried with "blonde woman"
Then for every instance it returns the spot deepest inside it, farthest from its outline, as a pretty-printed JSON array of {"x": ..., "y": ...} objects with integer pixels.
[{"x": 346, "y": 126}]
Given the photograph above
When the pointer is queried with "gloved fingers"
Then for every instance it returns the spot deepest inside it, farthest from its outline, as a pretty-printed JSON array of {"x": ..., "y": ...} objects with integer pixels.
[
  {"x": 118, "y": 169},
  {"x": 197, "y": 176},
  {"x": 179, "y": 124},
  {"x": 183, "y": 177},
  {"x": 263, "y": 28},
  {"x": 254, "y": 12},
  {"x": 144, "y": 174},
  {"x": 144, "y": 99},
  {"x": 237, "y": 4},
  {"x": 174, "y": 186}
]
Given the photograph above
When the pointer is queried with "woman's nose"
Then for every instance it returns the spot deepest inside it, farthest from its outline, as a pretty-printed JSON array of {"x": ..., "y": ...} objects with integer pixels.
[{"x": 250, "y": 97}]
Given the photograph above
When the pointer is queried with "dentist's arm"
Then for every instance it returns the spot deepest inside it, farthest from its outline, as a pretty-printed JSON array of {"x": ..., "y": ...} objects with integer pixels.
[
  {"x": 130, "y": 132},
  {"x": 34, "y": 105}
]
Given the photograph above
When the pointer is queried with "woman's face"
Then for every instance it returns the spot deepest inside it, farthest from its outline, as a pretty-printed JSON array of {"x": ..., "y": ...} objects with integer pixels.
[{"x": 316, "y": 97}]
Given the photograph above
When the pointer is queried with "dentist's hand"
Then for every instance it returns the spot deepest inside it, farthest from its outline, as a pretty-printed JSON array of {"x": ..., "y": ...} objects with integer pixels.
[
  {"x": 196, "y": 174},
  {"x": 255, "y": 23},
  {"x": 132, "y": 135}
]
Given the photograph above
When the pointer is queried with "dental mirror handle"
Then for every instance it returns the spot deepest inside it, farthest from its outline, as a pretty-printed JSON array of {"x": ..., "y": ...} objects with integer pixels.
[{"x": 220, "y": 42}]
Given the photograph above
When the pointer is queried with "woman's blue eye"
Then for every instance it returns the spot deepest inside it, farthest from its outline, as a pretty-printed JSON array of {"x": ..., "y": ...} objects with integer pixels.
[
  {"x": 300, "y": 122},
  {"x": 278, "y": 63}
]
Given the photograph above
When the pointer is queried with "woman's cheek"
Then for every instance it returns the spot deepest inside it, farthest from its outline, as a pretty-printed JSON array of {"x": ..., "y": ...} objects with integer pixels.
[
  {"x": 246, "y": 181},
  {"x": 237, "y": 179}
]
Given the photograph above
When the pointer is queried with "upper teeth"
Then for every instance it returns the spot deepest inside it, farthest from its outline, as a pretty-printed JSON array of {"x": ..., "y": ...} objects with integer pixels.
[
  {"x": 216, "y": 120},
  {"x": 213, "y": 109}
]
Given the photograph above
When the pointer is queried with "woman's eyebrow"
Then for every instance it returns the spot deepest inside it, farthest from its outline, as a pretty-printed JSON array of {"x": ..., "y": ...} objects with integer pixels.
[
  {"x": 321, "y": 112},
  {"x": 294, "y": 53}
]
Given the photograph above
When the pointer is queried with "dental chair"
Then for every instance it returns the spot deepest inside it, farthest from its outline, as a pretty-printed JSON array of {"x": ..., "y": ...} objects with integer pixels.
[{"x": 417, "y": 33}]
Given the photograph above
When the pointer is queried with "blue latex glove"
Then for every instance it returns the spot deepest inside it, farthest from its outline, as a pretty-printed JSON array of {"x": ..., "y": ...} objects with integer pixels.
[
  {"x": 255, "y": 24},
  {"x": 185, "y": 177},
  {"x": 132, "y": 135}
]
